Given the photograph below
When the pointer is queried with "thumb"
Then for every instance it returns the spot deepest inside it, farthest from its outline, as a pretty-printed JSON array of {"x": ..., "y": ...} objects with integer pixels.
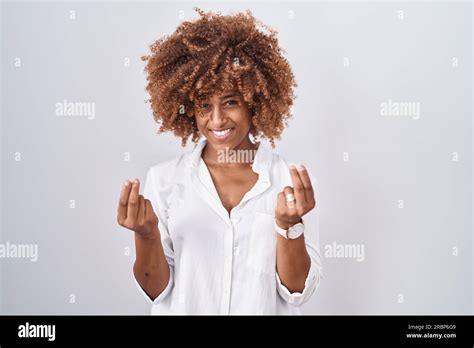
[{"x": 149, "y": 212}]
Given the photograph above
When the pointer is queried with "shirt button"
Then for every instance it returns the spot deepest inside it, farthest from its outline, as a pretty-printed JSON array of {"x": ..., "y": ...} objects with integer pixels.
[
  {"x": 291, "y": 300},
  {"x": 236, "y": 251}
]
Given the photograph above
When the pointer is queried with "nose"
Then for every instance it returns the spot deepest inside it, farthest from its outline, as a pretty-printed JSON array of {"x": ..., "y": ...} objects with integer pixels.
[{"x": 217, "y": 117}]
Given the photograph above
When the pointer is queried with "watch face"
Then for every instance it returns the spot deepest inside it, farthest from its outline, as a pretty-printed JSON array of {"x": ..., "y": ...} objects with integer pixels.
[{"x": 295, "y": 231}]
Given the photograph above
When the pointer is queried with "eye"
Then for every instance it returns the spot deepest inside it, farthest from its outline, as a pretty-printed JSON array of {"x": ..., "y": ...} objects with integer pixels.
[
  {"x": 204, "y": 106},
  {"x": 231, "y": 102}
]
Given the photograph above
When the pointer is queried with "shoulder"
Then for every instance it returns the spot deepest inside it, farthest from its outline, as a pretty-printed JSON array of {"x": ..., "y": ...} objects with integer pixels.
[{"x": 169, "y": 170}]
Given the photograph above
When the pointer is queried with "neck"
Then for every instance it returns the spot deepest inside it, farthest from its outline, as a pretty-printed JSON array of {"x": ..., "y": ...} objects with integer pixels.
[{"x": 210, "y": 155}]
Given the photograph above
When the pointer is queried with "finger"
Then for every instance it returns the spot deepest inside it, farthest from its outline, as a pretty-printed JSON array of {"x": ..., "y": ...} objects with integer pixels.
[
  {"x": 281, "y": 200},
  {"x": 308, "y": 187},
  {"x": 289, "y": 197},
  {"x": 141, "y": 210},
  {"x": 151, "y": 217},
  {"x": 297, "y": 186},
  {"x": 133, "y": 201},
  {"x": 123, "y": 202},
  {"x": 149, "y": 213}
]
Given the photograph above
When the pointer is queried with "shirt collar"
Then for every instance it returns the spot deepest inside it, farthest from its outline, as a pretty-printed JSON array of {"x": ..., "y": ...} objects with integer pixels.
[{"x": 261, "y": 164}]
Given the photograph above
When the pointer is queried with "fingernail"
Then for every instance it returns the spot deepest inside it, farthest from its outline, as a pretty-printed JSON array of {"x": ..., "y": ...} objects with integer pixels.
[
  {"x": 301, "y": 167},
  {"x": 292, "y": 167},
  {"x": 136, "y": 181},
  {"x": 126, "y": 183}
]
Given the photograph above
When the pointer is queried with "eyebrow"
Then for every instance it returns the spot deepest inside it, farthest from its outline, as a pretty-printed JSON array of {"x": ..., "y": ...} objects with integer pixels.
[{"x": 229, "y": 96}]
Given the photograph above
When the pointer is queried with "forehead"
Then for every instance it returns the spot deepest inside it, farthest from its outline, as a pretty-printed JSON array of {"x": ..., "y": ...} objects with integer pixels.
[
  {"x": 226, "y": 93},
  {"x": 220, "y": 94}
]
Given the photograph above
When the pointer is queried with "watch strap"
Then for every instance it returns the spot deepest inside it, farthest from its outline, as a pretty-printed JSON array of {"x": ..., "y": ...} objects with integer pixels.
[{"x": 281, "y": 231}]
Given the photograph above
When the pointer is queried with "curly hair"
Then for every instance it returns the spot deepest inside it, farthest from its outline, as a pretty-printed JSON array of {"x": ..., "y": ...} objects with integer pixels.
[{"x": 210, "y": 55}]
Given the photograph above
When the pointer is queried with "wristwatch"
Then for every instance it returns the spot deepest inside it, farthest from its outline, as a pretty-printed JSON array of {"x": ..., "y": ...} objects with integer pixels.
[{"x": 293, "y": 232}]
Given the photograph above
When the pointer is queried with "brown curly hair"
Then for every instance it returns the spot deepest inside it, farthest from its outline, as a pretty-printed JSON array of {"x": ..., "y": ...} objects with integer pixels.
[{"x": 212, "y": 54}]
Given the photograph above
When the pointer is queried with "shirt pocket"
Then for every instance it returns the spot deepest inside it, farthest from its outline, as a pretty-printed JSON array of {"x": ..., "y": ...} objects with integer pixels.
[{"x": 262, "y": 247}]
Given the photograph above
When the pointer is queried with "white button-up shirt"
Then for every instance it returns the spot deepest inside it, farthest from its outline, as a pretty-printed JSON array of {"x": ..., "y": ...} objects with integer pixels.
[{"x": 223, "y": 263}]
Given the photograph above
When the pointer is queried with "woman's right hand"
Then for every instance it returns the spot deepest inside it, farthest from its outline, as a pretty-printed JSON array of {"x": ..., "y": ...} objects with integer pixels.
[{"x": 135, "y": 212}]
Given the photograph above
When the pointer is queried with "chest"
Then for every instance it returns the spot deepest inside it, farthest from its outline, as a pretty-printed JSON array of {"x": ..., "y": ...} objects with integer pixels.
[
  {"x": 232, "y": 184},
  {"x": 194, "y": 214}
]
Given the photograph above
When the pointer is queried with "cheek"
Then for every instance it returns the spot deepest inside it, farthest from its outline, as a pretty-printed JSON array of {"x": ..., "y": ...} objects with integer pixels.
[
  {"x": 200, "y": 124},
  {"x": 244, "y": 120},
  {"x": 248, "y": 123}
]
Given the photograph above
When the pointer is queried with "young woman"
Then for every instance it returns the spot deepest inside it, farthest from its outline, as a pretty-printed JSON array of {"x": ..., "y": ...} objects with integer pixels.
[{"x": 220, "y": 229}]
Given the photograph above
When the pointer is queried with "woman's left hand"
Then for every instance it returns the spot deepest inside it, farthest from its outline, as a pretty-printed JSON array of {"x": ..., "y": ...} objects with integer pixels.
[{"x": 294, "y": 202}]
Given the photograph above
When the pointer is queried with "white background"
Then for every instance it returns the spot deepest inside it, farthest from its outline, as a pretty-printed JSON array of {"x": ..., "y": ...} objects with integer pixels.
[{"x": 409, "y": 251}]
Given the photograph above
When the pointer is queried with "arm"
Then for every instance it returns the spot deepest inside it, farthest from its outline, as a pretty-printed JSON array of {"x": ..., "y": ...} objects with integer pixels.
[
  {"x": 293, "y": 260},
  {"x": 151, "y": 268}
]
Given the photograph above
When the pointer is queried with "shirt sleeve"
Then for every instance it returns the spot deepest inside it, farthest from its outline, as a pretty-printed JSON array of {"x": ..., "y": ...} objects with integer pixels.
[
  {"x": 315, "y": 274},
  {"x": 150, "y": 191}
]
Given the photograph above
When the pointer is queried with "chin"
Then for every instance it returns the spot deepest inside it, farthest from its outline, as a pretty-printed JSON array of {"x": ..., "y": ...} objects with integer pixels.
[{"x": 222, "y": 145}]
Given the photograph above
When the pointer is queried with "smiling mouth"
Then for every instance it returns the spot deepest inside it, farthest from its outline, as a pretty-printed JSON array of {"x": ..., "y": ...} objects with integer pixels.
[{"x": 222, "y": 133}]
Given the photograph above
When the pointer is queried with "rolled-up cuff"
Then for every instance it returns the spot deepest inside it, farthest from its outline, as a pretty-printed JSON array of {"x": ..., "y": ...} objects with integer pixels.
[
  {"x": 311, "y": 284},
  {"x": 163, "y": 294}
]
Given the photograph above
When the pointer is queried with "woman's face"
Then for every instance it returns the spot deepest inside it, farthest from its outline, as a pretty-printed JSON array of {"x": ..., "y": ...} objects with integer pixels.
[{"x": 224, "y": 119}]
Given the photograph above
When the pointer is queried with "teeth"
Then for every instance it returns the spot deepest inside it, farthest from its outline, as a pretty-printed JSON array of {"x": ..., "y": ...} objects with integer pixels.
[{"x": 222, "y": 132}]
